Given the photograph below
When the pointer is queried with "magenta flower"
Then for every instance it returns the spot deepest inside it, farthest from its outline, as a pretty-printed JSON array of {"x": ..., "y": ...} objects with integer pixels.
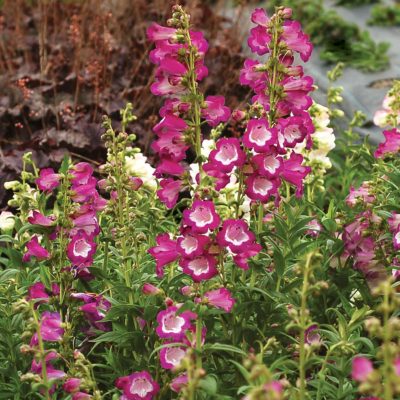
[
  {"x": 150, "y": 290},
  {"x": 391, "y": 145},
  {"x": 169, "y": 167},
  {"x": 157, "y": 32},
  {"x": 259, "y": 16},
  {"x": 201, "y": 217},
  {"x": 235, "y": 234},
  {"x": 164, "y": 253},
  {"x": 51, "y": 372},
  {"x": 361, "y": 368},
  {"x": 81, "y": 173},
  {"x": 37, "y": 291},
  {"x": 34, "y": 249},
  {"x": 241, "y": 259},
  {"x": 71, "y": 385},
  {"x": 259, "y": 187},
  {"x": 179, "y": 383},
  {"x": 220, "y": 298},
  {"x": 394, "y": 222},
  {"x": 227, "y": 155},
  {"x": 95, "y": 309},
  {"x": 221, "y": 178},
  {"x": 191, "y": 245},
  {"x": 294, "y": 130},
  {"x": 172, "y": 325},
  {"x": 294, "y": 172},
  {"x": 81, "y": 396},
  {"x": 259, "y": 40},
  {"x": 169, "y": 192},
  {"x": 38, "y": 218},
  {"x": 82, "y": 193},
  {"x": 314, "y": 228},
  {"x": 48, "y": 179},
  {"x": 215, "y": 111},
  {"x": 50, "y": 328},
  {"x": 362, "y": 195},
  {"x": 172, "y": 145},
  {"x": 168, "y": 123},
  {"x": 396, "y": 240},
  {"x": 81, "y": 248},
  {"x": 268, "y": 164},
  {"x": 250, "y": 76},
  {"x": 86, "y": 222},
  {"x": 259, "y": 136},
  {"x": 171, "y": 357},
  {"x": 138, "y": 386},
  {"x": 296, "y": 92},
  {"x": 311, "y": 335},
  {"x": 199, "y": 268},
  {"x": 296, "y": 40}
]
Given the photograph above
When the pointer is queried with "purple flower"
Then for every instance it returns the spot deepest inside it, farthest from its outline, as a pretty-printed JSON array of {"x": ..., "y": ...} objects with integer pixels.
[
  {"x": 137, "y": 386},
  {"x": 215, "y": 111},
  {"x": 220, "y": 298},
  {"x": 241, "y": 258},
  {"x": 179, "y": 383},
  {"x": 227, "y": 155},
  {"x": 164, "y": 253},
  {"x": 294, "y": 172},
  {"x": 391, "y": 145},
  {"x": 311, "y": 335},
  {"x": 71, "y": 385},
  {"x": 51, "y": 372},
  {"x": 48, "y": 179},
  {"x": 361, "y": 369},
  {"x": 34, "y": 249},
  {"x": 235, "y": 234},
  {"x": 259, "y": 187},
  {"x": 362, "y": 195},
  {"x": 199, "y": 268},
  {"x": 259, "y": 136},
  {"x": 150, "y": 290},
  {"x": 259, "y": 40},
  {"x": 37, "y": 291},
  {"x": 296, "y": 40},
  {"x": 81, "y": 248},
  {"x": 201, "y": 216},
  {"x": 268, "y": 164},
  {"x": 171, "y": 357},
  {"x": 156, "y": 32},
  {"x": 169, "y": 191},
  {"x": 172, "y": 325},
  {"x": 38, "y": 218},
  {"x": 81, "y": 173},
  {"x": 50, "y": 328},
  {"x": 191, "y": 245}
]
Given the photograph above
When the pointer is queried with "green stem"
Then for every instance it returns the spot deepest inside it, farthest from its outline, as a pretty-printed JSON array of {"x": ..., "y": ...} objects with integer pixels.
[
  {"x": 198, "y": 342},
  {"x": 303, "y": 326},
  {"x": 388, "y": 362},
  {"x": 260, "y": 216},
  {"x": 42, "y": 352}
]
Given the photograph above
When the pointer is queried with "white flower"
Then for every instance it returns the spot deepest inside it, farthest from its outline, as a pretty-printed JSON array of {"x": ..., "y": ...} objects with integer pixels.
[
  {"x": 323, "y": 139},
  {"x": 7, "y": 221},
  {"x": 138, "y": 166}
]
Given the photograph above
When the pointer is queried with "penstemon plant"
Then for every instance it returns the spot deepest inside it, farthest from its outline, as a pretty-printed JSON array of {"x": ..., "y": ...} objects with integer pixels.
[{"x": 258, "y": 263}]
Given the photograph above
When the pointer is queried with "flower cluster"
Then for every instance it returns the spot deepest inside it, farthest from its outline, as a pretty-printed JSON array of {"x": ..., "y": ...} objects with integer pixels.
[
  {"x": 179, "y": 56},
  {"x": 278, "y": 120}
]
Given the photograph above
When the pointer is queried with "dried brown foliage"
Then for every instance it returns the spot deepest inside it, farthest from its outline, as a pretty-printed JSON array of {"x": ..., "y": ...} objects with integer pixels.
[{"x": 63, "y": 64}]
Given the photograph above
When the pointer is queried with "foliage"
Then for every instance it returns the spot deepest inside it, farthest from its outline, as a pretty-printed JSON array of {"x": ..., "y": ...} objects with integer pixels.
[
  {"x": 255, "y": 260},
  {"x": 340, "y": 40},
  {"x": 384, "y": 15}
]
